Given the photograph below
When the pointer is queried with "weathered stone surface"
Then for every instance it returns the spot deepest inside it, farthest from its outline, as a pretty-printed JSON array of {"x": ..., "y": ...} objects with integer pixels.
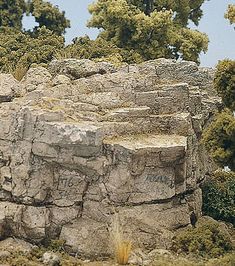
[
  {"x": 9, "y": 88},
  {"x": 79, "y": 68},
  {"x": 87, "y": 140},
  {"x": 50, "y": 259},
  {"x": 36, "y": 78},
  {"x": 15, "y": 245},
  {"x": 87, "y": 237}
]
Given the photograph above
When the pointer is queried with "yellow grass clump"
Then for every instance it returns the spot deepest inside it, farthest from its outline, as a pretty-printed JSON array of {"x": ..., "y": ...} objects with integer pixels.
[
  {"x": 122, "y": 247},
  {"x": 18, "y": 72}
]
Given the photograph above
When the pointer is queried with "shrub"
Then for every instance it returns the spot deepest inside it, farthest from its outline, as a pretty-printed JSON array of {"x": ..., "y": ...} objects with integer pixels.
[
  {"x": 206, "y": 240},
  {"x": 219, "y": 139},
  {"x": 98, "y": 50},
  {"x": 225, "y": 82},
  {"x": 20, "y": 50},
  {"x": 227, "y": 260},
  {"x": 219, "y": 196}
]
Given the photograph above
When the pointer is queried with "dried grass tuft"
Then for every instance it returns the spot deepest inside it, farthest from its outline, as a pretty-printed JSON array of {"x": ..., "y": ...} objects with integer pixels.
[
  {"x": 18, "y": 72},
  {"x": 122, "y": 247}
]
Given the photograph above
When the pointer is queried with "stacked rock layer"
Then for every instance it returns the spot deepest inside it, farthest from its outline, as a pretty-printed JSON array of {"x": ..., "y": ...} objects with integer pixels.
[{"x": 84, "y": 142}]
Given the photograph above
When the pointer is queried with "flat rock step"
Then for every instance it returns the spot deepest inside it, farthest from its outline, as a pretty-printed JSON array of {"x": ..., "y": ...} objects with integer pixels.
[
  {"x": 151, "y": 166},
  {"x": 165, "y": 100},
  {"x": 168, "y": 124},
  {"x": 153, "y": 85},
  {"x": 149, "y": 142},
  {"x": 126, "y": 114}
]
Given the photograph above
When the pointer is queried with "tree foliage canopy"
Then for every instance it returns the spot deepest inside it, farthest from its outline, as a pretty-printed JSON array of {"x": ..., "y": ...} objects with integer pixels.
[
  {"x": 152, "y": 29},
  {"x": 99, "y": 50},
  {"x": 230, "y": 14},
  {"x": 11, "y": 13},
  {"x": 184, "y": 10},
  {"x": 225, "y": 82},
  {"x": 219, "y": 139},
  {"x": 49, "y": 16},
  {"x": 21, "y": 49}
]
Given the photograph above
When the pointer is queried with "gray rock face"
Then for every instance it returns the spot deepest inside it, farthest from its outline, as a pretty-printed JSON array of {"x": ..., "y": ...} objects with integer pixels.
[
  {"x": 50, "y": 259},
  {"x": 88, "y": 141},
  {"x": 9, "y": 88},
  {"x": 76, "y": 69}
]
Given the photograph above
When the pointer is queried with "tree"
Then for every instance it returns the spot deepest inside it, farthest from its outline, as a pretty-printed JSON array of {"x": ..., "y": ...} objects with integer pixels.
[
  {"x": 230, "y": 14},
  {"x": 219, "y": 139},
  {"x": 20, "y": 50},
  {"x": 98, "y": 50},
  {"x": 225, "y": 82},
  {"x": 184, "y": 10},
  {"x": 151, "y": 28},
  {"x": 11, "y": 13},
  {"x": 49, "y": 16},
  {"x": 85, "y": 48}
]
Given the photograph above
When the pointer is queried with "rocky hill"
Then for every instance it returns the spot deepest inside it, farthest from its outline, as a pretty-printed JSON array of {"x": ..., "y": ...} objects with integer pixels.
[{"x": 83, "y": 142}]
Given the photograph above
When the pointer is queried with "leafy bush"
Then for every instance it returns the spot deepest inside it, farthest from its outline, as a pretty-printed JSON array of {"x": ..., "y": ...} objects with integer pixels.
[
  {"x": 206, "y": 240},
  {"x": 225, "y": 82},
  {"x": 98, "y": 50},
  {"x": 227, "y": 260},
  {"x": 11, "y": 13},
  {"x": 230, "y": 14},
  {"x": 219, "y": 196},
  {"x": 48, "y": 15},
  {"x": 18, "y": 49},
  {"x": 219, "y": 139}
]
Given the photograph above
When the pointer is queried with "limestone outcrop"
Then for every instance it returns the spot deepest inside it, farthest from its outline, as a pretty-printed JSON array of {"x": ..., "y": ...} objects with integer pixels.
[{"x": 84, "y": 141}]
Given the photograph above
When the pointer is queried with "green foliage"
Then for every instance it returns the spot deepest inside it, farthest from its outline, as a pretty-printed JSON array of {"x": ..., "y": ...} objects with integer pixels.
[
  {"x": 85, "y": 48},
  {"x": 184, "y": 10},
  {"x": 98, "y": 50},
  {"x": 34, "y": 258},
  {"x": 56, "y": 245},
  {"x": 18, "y": 49},
  {"x": 219, "y": 139},
  {"x": 11, "y": 13},
  {"x": 227, "y": 260},
  {"x": 219, "y": 196},
  {"x": 225, "y": 82},
  {"x": 49, "y": 16},
  {"x": 230, "y": 14},
  {"x": 206, "y": 240},
  {"x": 148, "y": 30}
]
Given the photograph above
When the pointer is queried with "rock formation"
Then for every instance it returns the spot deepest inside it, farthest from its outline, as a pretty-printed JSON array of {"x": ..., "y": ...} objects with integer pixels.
[{"x": 84, "y": 141}]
